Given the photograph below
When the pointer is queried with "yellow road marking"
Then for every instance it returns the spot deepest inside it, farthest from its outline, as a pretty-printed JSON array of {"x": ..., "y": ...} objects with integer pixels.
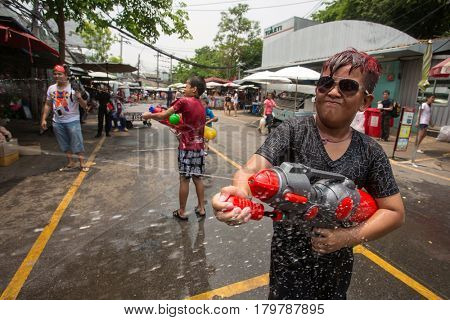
[
  {"x": 409, "y": 167},
  {"x": 235, "y": 164},
  {"x": 256, "y": 282},
  {"x": 15, "y": 285},
  {"x": 234, "y": 288},
  {"x": 417, "y": 160},
  {"x": 416, "y": 286}
]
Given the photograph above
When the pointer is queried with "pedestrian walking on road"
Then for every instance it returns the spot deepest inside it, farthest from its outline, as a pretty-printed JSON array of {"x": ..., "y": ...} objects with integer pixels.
[
  {"x": 424, "y": 120},
  {"x": 318, "y": 264},
  {"x": 235, "y": 102},
  {"x": 65, "y": 102},
  {"x": 228, "y": 103},
  {"x": 269, "y": 104},
  {"x": 104, "y": 111},
  {"x": 191, "y": 154}
]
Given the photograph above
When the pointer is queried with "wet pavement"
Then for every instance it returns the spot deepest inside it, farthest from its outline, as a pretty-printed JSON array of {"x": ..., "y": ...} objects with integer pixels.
[{"x": 117, "y": 239}]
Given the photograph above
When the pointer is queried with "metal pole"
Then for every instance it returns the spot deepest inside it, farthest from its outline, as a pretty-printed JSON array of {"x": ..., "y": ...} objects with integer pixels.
[
  {"x": 121, "y": 47},
  {"x": 171, "y": 75},
  {"x": 414, "y": 153},
  {"x": 295, "y": 103},
  {"x": 157, "y": 69}
]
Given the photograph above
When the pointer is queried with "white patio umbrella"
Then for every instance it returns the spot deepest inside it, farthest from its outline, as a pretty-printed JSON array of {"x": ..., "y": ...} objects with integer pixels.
[
  {"x": 213, "y": 84},
  {"x": 298, "y": 73},
  {"x": 265, "y": 76},
  {"x": 248, "y": 86},
  {"x": 101, "y": 75},
  {"x": 231, "y": 85},
  {"x": 177, "y": 85}
]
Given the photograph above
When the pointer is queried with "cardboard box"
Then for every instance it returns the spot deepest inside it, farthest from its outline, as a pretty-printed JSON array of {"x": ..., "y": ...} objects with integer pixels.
[{"x": 9, "y": 159}]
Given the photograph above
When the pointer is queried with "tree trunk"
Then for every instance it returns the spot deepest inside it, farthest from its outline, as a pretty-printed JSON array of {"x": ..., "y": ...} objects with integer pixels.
[
  {"x": 34, "y": 100},
  {"x": 61, "y": 31}
]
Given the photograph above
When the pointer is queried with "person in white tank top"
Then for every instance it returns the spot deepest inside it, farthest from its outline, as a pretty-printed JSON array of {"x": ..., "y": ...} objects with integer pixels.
[{"x": 424, "y": 120}]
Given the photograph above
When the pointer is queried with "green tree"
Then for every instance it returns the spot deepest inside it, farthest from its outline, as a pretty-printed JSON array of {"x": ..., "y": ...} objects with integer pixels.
[
  {"x": 98, "y": 40},
  {"x": 237, "y": 45},
  {"x": 114, "y": 59},
  {"x": 205, "y": 56},
  {"x": 235, "y": 37},
  {"x": 251, "y": 54},
  {"x": 145, "y": 19},
  {"x": 422, "y": 19}
]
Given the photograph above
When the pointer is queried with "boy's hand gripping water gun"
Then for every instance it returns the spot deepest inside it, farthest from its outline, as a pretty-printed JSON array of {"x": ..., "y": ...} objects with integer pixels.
[
  {"x": 173, "y": 121},
  {"x": 330, "y": 202}
]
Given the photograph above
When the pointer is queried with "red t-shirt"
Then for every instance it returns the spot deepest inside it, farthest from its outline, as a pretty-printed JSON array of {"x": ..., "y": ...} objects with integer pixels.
[
  {"x": 269, "y": 104},
  {"x": 191, "y": 131}
]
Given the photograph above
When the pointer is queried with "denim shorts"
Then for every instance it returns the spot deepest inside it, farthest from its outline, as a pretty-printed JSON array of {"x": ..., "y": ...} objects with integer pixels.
[
  {"x": 69, "y": 136},
  {"x": 423, "y": 126}
]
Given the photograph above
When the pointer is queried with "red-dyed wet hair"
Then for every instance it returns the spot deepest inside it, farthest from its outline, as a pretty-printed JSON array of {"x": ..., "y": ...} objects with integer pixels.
[{"x": 369, "y": 66}]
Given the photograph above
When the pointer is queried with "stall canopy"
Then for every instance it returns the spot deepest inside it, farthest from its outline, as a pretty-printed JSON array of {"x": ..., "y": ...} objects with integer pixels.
[
  {"x": 231, "y": 85},
  {"x": 213, "y": 84},
  {"x": 441, "y": 70},
  {"x": 297, "y": 73},
  {"x": 264, "y": 77},
  {"x": 106, "y": 67},
  {"x": 13, "y": 35},
  {"x": 101, "y": 76},
  {"x": 216, "y": 79}
]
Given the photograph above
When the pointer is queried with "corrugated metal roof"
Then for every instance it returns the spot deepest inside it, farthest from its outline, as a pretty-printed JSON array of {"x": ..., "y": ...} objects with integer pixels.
[{"x": 318, "y": 42}]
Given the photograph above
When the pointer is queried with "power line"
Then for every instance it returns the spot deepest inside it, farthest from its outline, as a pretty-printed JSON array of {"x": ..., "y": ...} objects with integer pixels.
[
  {"x": 255, "y": 8},
  {"x": 210, "y": 4},
  {"x": 166, "y": 53},
  {"x": 314, "y": 9}
]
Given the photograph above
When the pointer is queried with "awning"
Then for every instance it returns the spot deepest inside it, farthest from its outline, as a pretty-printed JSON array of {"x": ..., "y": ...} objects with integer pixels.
[
  {"x": 15, "y": 38},
  {"x": 216, "y": 79},
  {"x": 441, "y": 70},
  {"x": 106, "y": 67},
  {"x": 101, "y": 76}
]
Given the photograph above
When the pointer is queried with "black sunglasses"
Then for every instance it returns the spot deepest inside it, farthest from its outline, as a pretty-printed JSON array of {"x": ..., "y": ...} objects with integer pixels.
[{"x": 347, "y": 87}]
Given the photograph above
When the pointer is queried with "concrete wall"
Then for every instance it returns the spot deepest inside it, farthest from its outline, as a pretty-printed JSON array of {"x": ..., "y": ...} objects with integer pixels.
[{"x": 389, "y": 68}]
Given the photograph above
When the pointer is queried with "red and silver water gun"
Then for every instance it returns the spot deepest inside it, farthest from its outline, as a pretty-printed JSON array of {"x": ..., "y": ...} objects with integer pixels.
[
  {"x": 175, "y": 121},
  {"x": 332, "y": 201}
]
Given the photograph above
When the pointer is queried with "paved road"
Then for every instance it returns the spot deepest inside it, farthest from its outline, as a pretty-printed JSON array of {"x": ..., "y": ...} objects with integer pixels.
[{"x": 116, "y": 238}]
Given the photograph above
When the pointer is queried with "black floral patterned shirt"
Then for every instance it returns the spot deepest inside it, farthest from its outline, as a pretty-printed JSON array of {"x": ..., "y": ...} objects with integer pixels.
[{"x": 364, "y": 162}]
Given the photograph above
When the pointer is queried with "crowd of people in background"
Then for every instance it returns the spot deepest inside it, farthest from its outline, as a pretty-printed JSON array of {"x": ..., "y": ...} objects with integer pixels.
[{"x": 111, "y": 117}]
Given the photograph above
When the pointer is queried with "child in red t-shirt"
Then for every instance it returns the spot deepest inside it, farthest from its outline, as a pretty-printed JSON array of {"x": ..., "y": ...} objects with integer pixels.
[{"x": 191, "y": 155}]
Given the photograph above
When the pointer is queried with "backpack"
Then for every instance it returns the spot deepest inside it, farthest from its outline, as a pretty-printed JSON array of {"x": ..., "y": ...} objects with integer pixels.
[{"x": 395, "y": 113}]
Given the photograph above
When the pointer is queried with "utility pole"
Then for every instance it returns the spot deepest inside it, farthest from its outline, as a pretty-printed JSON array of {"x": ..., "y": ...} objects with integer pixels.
[
  {"x": 34, "y": 96},
  {"x": 34, "y": 21},
  {"x": 121, "y": 46},
  {"x": 157, "y": 69},
  {"x": 139, "y": 66},
  {"x": 171, "y": 75}
]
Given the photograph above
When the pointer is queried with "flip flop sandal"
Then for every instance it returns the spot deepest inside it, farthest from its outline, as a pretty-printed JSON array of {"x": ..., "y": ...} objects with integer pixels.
[
  {"x": 84, "y": 169},
  {"x": 198, "y": 214},
  {"x": 66, "y": 168},
  {"x": 177, "y": 215}
]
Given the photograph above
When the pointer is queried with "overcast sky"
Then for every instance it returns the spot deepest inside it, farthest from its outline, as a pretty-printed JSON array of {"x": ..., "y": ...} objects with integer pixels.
[{"x": 202, "y": 24}]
